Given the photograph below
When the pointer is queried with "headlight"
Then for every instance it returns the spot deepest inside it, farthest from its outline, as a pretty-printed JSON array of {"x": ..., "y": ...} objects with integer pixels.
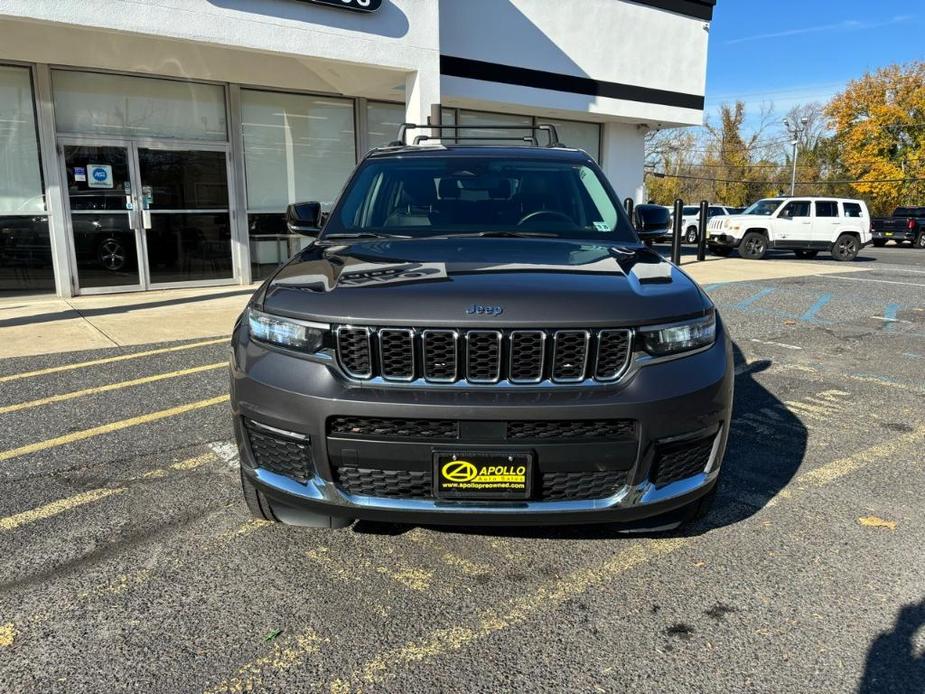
[
  {"x": 284, "y": 332},
  {"x": 679, "y": 337}
]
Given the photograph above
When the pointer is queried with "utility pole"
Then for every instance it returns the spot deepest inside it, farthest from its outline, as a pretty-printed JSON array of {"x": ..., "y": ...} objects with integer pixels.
[{"x": 796, "y": 132}]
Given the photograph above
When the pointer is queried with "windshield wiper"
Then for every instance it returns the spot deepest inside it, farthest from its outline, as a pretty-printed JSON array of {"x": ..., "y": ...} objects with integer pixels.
[
  {"x": 500, "y": 235},
  {"x": 363, "y": 235}
]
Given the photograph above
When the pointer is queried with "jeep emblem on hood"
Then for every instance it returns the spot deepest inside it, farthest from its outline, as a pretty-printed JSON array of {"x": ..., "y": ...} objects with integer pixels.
[{"x": 479, "y": 310}]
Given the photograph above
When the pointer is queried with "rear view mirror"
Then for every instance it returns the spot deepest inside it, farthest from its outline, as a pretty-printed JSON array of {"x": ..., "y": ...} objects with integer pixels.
[
  {"x": 785, "y": 214},
  {"x": 304, "y": 218}
]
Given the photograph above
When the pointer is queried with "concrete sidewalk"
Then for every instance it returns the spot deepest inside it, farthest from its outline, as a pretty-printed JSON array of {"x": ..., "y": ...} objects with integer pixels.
[{"x": 48, "y": 325}]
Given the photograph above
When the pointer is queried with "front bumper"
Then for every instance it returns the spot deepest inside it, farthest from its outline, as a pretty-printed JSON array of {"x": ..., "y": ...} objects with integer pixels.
[
  {"x": 674, "y": 402},
  {"x": 721, "y": 239}
]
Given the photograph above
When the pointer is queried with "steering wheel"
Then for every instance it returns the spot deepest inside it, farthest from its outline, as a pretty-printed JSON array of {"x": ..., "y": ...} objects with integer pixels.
[{"x": 560, "y": 216}]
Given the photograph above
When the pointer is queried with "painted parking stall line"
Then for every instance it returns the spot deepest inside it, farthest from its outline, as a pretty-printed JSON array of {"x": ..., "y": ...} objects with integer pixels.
[
  {"x": 813, "y": 311},
  {"x": 109, "y": 360},
  {"x": 110, "y": 428},
  {"x": 111, "y": 387},
  {"x": 745, "y": 303}
]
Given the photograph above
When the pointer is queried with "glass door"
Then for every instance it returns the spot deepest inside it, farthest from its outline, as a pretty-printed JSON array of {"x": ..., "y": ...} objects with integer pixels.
[
  {"x": 185, "y": 215},
  {"x": 104, "y": 224}
]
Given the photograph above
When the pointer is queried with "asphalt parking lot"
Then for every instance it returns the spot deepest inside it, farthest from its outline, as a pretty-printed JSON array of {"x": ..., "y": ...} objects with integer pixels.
[{"x": 130, "y": 562}]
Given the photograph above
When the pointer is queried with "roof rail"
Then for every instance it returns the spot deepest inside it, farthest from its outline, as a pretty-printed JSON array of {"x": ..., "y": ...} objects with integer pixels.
[{"x": 547, "y": 128}]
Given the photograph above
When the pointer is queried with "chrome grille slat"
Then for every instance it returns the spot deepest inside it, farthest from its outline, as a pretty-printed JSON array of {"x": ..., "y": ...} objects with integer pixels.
[
  {"x": 441, "y": 355},
  {"x": 612, "y": 357},
  {"x": 396, "y": 354},
  {"x": 570, "y": 355},
  {"x": 482, "y": 357},
  {"x": 527, "y": 356},
  {"x": 354, "y": 351}
]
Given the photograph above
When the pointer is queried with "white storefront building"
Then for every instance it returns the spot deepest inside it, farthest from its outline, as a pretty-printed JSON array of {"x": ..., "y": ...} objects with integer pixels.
[{"x": 156, "y": 143}]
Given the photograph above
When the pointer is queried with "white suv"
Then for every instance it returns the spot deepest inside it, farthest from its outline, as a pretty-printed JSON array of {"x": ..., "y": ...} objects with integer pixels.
[
  {"x": 803, "y": 225},
  {"x": 690, "y": 219}
]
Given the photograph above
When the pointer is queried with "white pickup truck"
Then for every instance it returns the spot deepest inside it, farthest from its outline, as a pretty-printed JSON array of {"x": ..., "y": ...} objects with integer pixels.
[{"x": 803, "y": 225}]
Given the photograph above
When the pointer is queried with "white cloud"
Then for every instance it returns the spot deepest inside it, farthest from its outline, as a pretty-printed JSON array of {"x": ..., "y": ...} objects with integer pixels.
[{"x": 846, "y": 25}]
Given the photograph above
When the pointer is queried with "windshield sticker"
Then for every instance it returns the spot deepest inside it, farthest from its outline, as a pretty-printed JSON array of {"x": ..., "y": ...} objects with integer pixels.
[{"x": 602, "y": 226}]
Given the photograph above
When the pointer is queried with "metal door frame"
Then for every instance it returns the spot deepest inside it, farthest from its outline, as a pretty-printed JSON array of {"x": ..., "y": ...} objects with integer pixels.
[
  {"x": 133, "y": 215},
  {"x": 136, "y": 219}
]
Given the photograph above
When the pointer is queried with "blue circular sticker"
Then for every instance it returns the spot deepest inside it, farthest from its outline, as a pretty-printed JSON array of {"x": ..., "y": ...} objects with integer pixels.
[{"x": 99, "y": 175}]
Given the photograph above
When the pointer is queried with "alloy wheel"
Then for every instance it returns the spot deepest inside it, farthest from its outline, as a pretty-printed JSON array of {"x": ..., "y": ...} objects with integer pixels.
[{"x": 112, "y": 255}]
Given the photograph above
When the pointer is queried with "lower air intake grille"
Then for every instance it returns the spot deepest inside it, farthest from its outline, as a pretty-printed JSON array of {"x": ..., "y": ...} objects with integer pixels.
[
  {"x": 678, "y": 461},
  {"x": 589, "y": 429},
  {"x": 282, "y": 455},
  {"x": 390, "y": 428},
  {"x": 390, "y": 483},
  {"x": 561, "y": 486}
]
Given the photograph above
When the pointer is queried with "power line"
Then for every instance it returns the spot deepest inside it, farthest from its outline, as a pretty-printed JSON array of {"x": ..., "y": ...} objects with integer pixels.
[{"x": 660, "y": 174}]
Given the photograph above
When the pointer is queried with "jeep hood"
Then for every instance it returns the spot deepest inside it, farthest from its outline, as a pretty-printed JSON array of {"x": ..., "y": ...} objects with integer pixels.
[{"x": 443, "y": 282}]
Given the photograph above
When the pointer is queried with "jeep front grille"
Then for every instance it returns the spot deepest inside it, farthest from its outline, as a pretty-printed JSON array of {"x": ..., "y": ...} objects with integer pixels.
[{"x": 479, "y": 356}]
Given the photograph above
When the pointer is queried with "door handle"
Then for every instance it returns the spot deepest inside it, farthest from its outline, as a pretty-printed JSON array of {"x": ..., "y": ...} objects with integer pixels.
[{"x": 146, "y": 218}]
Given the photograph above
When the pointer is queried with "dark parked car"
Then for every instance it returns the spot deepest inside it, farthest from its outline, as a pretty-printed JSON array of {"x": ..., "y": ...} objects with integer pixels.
[
  {"x": 906, "y": 225},
  {"x": 653, "y": 223},
  {"x": 477, "y": 336}
]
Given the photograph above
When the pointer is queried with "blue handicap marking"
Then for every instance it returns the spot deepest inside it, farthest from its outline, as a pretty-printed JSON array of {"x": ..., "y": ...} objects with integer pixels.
[
  {"x": 811, "y": 312},
  {"x": 890, "y": 313},
  {"x": 745, "y": 303}
]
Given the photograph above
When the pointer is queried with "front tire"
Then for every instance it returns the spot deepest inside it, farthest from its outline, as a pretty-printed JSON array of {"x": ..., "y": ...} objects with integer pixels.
[
  {"x": 846, "y": 247},
  {"x": 754, "y": 246},
  {"x": 920, "y": 240},
  {"x": 807, "y": 255},
  {"x": 691, "y": 236},
  {"x": 256, "y": 502}
]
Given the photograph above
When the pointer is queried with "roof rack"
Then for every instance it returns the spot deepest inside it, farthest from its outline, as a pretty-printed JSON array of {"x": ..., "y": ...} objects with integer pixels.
[{"x": 547, "y": 128}]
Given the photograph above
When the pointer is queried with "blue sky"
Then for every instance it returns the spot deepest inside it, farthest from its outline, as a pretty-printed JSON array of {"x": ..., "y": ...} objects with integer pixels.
[{"x": 789, "y": 52}]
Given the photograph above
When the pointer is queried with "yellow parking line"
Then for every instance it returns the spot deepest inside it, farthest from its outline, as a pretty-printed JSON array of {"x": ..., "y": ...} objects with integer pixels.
[
  {"x": 60, "y": 506},
  {"x": 110, "y": 387},
  {"x": 286, "y": 653},
  {"x": 111, "y": 427},
  {"x": 512, "y": 612},
  {"x": 109, "y": 360}
]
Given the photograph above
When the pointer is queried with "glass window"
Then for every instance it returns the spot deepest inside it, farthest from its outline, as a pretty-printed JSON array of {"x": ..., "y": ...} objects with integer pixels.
[
  {"x": 118, "y": 105},
  {"x": 764, "y": 208},
  {"x": 852, "y": 209},
  {"x": 20, "y": 175},
  {"x": 797, "y": 208},
  {"x": 472, "y": 195},
  {"x": 586, "y": 136},
  {"x": 826, "y": 208},
  {"x": 296, "y": 148},
  {"x": 382, "y": 122},
  {"x": 25, "y": 245},
  {"x": 500, "y": 119}
]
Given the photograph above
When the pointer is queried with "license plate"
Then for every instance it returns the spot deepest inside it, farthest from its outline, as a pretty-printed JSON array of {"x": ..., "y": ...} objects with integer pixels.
[
  {"x": 482, "y": 475},
  {"x": 888, "y": 233}
]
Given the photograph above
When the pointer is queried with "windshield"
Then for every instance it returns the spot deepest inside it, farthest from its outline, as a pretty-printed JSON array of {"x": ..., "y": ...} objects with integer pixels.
[
  {"x": 765, "y": 208},
  {"x": 434, "y": 196}
]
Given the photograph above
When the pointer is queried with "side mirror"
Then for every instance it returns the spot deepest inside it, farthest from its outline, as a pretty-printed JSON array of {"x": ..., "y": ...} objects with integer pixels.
[
  {"x": 785, "y": 214},
  {"x": 304, "y": 218}
]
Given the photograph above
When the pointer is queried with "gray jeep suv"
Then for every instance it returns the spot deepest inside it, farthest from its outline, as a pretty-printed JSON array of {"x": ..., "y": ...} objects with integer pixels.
[{"x": 477, "y": 336}]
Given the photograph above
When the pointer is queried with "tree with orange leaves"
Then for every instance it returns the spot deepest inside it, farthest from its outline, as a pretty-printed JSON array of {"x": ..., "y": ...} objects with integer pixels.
[{"x": 879, "y": 124}]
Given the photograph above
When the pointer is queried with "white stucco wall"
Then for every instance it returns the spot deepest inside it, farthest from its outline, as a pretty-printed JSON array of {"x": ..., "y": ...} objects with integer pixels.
[
  {"x": 623, "y": 157},
  {"x": 278, "y": 43},
  {"x": 607, "y": 40}
]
